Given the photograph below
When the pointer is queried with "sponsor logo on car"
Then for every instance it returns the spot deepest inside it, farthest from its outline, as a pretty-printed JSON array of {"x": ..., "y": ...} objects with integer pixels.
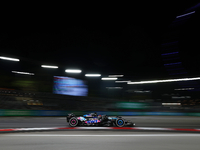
[{"x": 92, "y": 121}]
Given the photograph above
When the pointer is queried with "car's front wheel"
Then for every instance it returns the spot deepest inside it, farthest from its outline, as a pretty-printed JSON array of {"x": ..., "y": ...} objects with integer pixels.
[
  {"x": 120, "y": 122},
  {"x": 73, "y": 122}
]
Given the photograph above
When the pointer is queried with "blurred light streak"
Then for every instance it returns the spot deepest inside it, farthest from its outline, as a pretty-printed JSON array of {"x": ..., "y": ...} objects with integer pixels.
[
  {"x": 8, "y": 58},
  {"x": 108, "y": 78},
  {"x": 47, "y": 66},
  {"x": 162, "y": 81},
  {"x": 114, "y": 87},
  {"x": 92, "y": 75},
  {"x": 181, "y": 97},
  {"x": 73, "y": 71},
  {"x": 185, "y": 14},
  {"x": 115, "y": 76},
  {"x": 142, "y": 91},
  {"x": 171, "y": 103},
  {"x": 184, "y": 89},
  {"x": 170, "y": 53},
  {"x": 173, "y": 63},
  {"x": 122, "y": 81},
  {"x": 26, "y": 73}
]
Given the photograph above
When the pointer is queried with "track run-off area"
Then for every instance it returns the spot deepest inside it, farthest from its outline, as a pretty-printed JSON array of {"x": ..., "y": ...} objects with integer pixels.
[
  {"x": 98, "y": 140},
  {"x": 150, "y": 132}
]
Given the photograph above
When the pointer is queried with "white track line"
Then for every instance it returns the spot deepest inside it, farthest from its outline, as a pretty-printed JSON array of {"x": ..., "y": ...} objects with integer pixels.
[
  {"x": 105, "y": 135},
  {"x": 28, "y": 129},
  {"x": 93, "y": 128},
  {"x": 99, "y": 128}
]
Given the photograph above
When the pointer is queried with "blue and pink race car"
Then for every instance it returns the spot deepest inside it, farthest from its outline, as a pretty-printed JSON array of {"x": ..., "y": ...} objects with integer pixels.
[{"x": 93, "y": 119}]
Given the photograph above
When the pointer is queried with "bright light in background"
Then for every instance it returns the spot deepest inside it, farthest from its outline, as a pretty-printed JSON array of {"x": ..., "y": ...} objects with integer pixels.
[
  {"x": 171, "y": 103},
  {"x": 108, "y": 78},
  {"x": 161, "y": 81},
  {"x": 185, "y": 14},
  {"x": 73, "y": 71},
  {"x": 139, "y": 91},
  {"x": 115, "y": 76},
  {"x": 8, "y": 58},
  {"x": 92, "y": 75},
  {"x": 47, "y": 66},
  {"x": 111, "y": 88},
  {"x": 184, "y": 89},
  {"x": 26, "y": 73},
  {"x": 122, "y": 81}
]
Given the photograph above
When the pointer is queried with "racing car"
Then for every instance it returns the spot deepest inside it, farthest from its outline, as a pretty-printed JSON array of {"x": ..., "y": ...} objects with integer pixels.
[{"x": 93, "y": 119}]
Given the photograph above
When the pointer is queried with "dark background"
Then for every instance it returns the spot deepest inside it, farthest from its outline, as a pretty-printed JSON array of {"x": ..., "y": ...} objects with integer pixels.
[{"x": 101, "y": 38}]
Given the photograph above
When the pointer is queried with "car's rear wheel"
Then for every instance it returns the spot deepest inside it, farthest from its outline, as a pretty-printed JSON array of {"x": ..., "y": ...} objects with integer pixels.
[
  {"x": 73, "y": 122},
  {"x": 120, "y": 122}
]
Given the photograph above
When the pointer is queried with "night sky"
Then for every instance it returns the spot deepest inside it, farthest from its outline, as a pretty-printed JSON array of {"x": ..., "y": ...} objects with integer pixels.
[{"x": 110, "y": 40}]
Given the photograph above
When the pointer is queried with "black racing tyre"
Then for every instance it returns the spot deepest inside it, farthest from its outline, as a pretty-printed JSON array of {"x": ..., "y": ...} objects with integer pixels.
[
  {"x": 120, "y": 122},
  {"x": 73, "y": 122}
]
